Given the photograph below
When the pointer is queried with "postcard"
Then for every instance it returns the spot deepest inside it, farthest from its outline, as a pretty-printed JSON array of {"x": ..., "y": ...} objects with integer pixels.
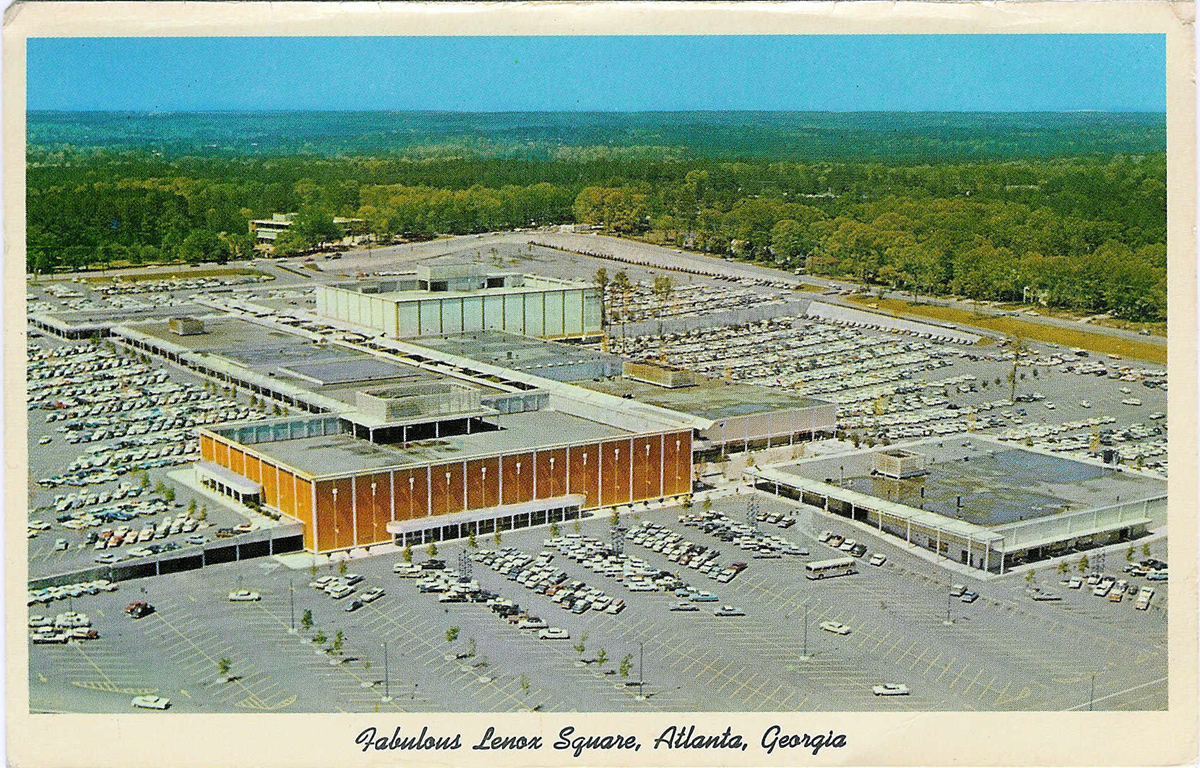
[{"x": 600, "y": 384}]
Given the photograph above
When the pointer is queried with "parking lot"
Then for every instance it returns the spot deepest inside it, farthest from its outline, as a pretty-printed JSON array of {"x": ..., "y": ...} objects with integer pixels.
[{"x": 1003, "y": 651}]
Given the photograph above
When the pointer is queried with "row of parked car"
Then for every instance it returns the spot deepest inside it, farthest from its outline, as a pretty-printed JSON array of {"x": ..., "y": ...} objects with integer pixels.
[
  {"x": 760, "y": 544},
  {"x": 63, "y": 627},
  {"x": 78, "y": 589},
  {"x": 679, "y": 550},
  {"x": 537, "y": 574},
  {"x": 342, "y": 586}
]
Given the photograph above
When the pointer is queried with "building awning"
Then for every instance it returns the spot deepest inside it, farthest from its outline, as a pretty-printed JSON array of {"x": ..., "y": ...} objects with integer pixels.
[
  {"x": 488, "y": 513},
  {"x": 244, "y": 486}
]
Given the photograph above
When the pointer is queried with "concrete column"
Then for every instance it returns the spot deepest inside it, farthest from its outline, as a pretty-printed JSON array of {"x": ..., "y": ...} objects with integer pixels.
[
  {"x": 662, "y": 465},
  {"x": 353, "y": 511},
  {"x": 631, "y": 470}
]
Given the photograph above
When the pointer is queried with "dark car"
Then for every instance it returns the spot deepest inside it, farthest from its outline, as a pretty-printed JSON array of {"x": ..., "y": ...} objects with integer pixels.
[{"x": 353, "y": 606}]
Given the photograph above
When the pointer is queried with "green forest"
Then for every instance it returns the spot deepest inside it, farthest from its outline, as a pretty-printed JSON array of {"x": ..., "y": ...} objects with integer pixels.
[{"x": 1081, "y": 232}]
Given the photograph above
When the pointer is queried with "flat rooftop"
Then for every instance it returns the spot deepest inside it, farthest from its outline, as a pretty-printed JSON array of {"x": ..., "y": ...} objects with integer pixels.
[
  {"x": 998, "y": 483},
  {"x": 531, "y": 284},
  {"x": 338, "y": 454},
  {"x": 709, "y": 398},
  {"x": 331, "y": 371},
  {"x": 520, "y": 353}
]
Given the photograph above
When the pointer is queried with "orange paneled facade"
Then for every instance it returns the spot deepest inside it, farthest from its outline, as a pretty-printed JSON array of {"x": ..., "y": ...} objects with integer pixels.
[{"x": 605, "y": 474}]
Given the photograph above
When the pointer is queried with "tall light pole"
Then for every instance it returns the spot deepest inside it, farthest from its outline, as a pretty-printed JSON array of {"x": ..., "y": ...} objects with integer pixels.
[
  {"x": 387, "y": 691},
  {"x": 641, "y": 671},
  {"x": 292, "y": 601},
  {"x": 805, "y": 656},
  {"x": 949, "y": 598}
]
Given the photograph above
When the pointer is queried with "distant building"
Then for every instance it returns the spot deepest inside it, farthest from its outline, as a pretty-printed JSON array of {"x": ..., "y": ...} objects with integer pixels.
[
  {"x": 185, "y": 326},
  {"x": 464, "y": 298},
  {"x": 267, "y": 230}
]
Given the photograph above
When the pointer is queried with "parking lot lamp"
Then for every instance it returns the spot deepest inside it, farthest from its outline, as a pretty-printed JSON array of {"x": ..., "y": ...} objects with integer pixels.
[
  {"x": 387, "y": 691},
  {"x": 641, "y": 671},
  {"x": 949, "y": 598},
  {"x": 292, "y": 602},
  {"x": 804, "y": 656}
]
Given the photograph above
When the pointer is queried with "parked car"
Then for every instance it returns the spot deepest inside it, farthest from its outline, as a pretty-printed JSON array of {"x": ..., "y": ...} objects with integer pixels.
[
  {"x": 554, "y": 633},
  {"x": 877, "y": 560},
  {"x": 890, "y": 689},
  {"x": 729, "y": 610},
  {"x": 969, "y": 596},
  {"x": 684, "y": 606},
  {"x": 151, "y": 702},
  {"x": 243, "y": 596},
  {"x": 835, "y": 627},
  {"x": 139, "y": 608},
  {"x": 353, "y": 606},
  {"x": 371, "y": 595}
]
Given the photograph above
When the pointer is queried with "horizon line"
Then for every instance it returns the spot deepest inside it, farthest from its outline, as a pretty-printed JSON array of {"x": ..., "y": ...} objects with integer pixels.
[{"x": 310, "y": 110}]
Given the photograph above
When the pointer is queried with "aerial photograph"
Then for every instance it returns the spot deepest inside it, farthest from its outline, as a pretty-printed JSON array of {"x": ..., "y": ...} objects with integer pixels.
[{"x": 667, "y": 374}]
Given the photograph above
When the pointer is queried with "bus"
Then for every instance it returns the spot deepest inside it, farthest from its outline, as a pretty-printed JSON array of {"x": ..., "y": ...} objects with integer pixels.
[{"x": 824, "y": 569}]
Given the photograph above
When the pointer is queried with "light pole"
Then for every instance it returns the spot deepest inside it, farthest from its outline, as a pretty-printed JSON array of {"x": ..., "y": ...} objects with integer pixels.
[
  {"x": 292, "y": 602},
  {"x": 804, "y": 656},
  {"x": 387, "y": 691},
  {"x": 947, "y": 621},
  {"x": 641, "y": 672}
]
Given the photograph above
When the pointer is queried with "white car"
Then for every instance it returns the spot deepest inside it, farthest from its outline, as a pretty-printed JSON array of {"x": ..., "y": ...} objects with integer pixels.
[
  {"x": 1084, "y": 404},
  {"x": 890, "y": 689},
  {"x": 729, "y": 610},
  {"x": 554, "y": 633},
  {"x": 877, "y": 560},
  {"x": 151, "y": 702},
  {"x": 835, "y": 627},
  {"x": 372, "y": 595},
  {"x": 243, "y": 596}
]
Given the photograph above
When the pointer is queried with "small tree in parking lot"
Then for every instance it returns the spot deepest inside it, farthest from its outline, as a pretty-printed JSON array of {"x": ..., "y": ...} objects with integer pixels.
[
  {"x": 615, "y": 519},
  {"x": 159, "y": 487},
  {"x": 1146, "y": 549},
  {"x": 626, "y": 665},
  {"x": 203, "y": 512},
  {"x": 191, "y": 507},
  {"x": 706, "y": 505},
  {"x": 406, "y": 554},
  {"x": 169, "y": 495},
  {"x": 575, "y": 526},
  {"x": 1029, "y": 577},
  {"x": 1063, "y": 567},
  {"x": 306, "y": 621},
  {"x": 451, "y": 634},
  {"x": 581, "y": 646},
  {"x": 496, "y": 537},
  {"x": 431, "y": 550},
  {"x": 312, "y": 569},
  {"x": 554, "y": 531},
  {"x": 471, "y": 647},
  {"x": 223, "y": 666},
  {"x": 471, "y": 540},
  {"x": 320, "y": 637},
  {"x": 602, "y": 657},
  {"x": 1083, "y": 564},
  {"x": 1129, "y": 554},
  {"x": 338, "y": 640}
]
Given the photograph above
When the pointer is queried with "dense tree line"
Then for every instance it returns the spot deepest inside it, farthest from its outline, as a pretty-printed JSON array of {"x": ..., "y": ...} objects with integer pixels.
[{"x": 1084, "y": 233}]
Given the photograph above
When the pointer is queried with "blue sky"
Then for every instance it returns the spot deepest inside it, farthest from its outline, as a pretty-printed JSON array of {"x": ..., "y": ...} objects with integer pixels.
[{"x": 840, "y": 73}]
